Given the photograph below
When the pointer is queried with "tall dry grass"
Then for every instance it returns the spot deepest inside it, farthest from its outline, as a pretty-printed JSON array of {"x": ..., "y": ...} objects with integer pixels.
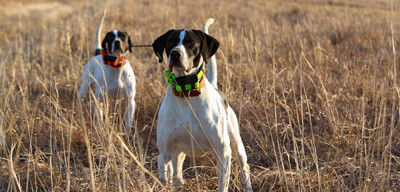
[{"x": 314, "y": 84}]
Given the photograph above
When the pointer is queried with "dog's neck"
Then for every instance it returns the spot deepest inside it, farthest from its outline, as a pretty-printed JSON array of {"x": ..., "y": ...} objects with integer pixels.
[
  {"x": 204, "y": 90},
  {"x": 189, "y": 85},
  {"x": 114, "y": 61}
]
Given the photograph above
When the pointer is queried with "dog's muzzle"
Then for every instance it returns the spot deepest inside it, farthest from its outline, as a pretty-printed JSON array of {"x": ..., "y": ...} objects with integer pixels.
[
  {"x": 117, "y": 46},
  {"x": 175, "y": 60}
]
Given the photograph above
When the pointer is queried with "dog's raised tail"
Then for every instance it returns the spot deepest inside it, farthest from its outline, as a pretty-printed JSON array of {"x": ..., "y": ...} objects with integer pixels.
[
  {"x": 97, "y": 43},
  {"x": 212, "y": 62}
]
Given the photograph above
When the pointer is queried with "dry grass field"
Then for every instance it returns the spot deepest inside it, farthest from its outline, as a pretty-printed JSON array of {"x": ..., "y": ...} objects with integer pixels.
[{"x": 315, "y": 84}]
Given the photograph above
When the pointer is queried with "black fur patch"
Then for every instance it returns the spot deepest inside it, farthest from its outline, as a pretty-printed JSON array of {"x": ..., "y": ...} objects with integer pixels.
[
  {"x": 124, "y": 45},
  {"x": 196, "y": 43}
]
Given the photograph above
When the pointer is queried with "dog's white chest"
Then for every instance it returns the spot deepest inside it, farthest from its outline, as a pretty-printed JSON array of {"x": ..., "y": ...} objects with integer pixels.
[
  {"x": 113, "y": 81},
  {"x": 190, "y": 127}
]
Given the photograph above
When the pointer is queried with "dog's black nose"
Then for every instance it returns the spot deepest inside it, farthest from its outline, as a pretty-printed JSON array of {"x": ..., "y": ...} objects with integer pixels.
[
  {"x": 175, "y": 55},
  {"x": 117, "y": 45}
]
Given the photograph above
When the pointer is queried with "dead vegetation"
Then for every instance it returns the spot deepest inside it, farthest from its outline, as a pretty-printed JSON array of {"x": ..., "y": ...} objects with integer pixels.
[{"x": 314, "y": 84}]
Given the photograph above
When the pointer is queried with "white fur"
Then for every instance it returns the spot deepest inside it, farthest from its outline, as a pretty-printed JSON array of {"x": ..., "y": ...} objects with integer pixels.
[
  {"x": 181, "y": 37},
  {"x": 109, "y": 80},
  {"x": 181, "y": 49},
  {"x": 115, "y": 40},
  {"x": 195, "y": 126},
  {"x": 97, "y": 43},
  {"x": 112, "y": 81}
]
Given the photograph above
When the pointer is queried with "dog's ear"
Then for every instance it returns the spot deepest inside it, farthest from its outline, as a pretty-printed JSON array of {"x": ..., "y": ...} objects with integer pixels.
[
  {"x": 130, "y": 44},
  {"x": 209, "y": 45},
  {"x": 105, "y": 41},
  {"x": 159, "y": 45},
  {"x": 125, "y": 37}
]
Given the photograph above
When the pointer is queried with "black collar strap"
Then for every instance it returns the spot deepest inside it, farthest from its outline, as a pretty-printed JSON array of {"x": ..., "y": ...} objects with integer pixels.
[
  {"x": 113, "y": 60},
  {"x": 186, "y": 84}
]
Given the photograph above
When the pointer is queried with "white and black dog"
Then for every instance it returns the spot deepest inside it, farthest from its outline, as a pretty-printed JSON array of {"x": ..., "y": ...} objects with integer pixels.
[
  {"x": 194, "y": 117},
  {"x": 110, "y": 72}
]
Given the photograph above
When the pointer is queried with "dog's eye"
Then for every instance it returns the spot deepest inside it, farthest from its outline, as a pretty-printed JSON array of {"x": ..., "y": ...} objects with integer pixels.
[
  {"x": 189, "y": 44},
  {"x": 122, "y": 38}
]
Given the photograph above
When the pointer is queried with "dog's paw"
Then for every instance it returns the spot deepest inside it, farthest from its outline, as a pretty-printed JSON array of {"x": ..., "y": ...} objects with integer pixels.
[
  {"x": 178, "y": 182},
  {"x": 248, "y": 188},
  {"x": 128, "y": 131},
  {"x": 163, "y": 181}
]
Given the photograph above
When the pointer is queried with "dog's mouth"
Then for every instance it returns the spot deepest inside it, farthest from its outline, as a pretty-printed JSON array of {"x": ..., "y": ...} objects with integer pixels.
[
  {"x": 178, "y": 66},
  {"x": 179, "y": 69},
  {"x": 117, "y": 53}
]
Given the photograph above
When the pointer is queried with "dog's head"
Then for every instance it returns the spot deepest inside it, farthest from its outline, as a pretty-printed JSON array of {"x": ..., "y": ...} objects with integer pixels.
[
  {"x": 186, "y": 49},
  {"x": 117, "y": 42}
]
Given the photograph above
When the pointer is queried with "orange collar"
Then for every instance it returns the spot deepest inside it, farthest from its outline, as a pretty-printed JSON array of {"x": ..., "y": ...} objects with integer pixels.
[{"x": 119, "y": 62}]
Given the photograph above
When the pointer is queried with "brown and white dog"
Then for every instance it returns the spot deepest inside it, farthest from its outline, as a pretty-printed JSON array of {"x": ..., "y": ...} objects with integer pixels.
[
  {"x": 113, "y": 77},
  {"x": 197, "y": 121}
]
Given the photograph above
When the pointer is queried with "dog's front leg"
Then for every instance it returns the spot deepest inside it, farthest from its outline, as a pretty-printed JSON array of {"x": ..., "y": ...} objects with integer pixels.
[
  {"x": 82, "y": 89},
  {"x": 99, "y": 106},
  {"x": 129, "y": 115},
  {"x": 177, "y": 165},
  {"x": 130, "y": 92},
  {"x": 224, "y": 168},
  {"x": 164, "y": 168},
  {"x": 85, "y": 82}
]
